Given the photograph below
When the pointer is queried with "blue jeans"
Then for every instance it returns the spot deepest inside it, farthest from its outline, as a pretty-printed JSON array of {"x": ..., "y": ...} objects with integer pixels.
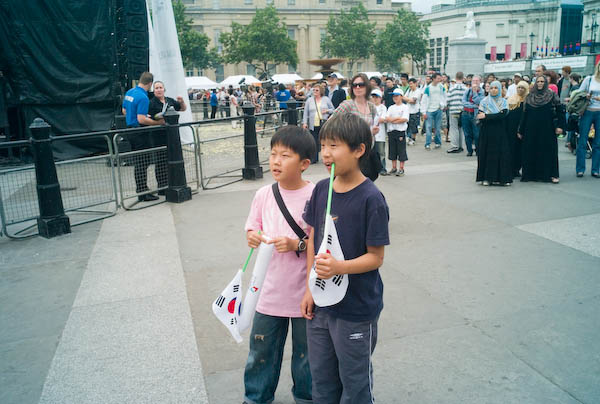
[
  {"x": 434, "y": 118},
  {"x": 470, "y": 129},
  {"x": 267, "y": 340},
  {"x": 588, "y": 118}
]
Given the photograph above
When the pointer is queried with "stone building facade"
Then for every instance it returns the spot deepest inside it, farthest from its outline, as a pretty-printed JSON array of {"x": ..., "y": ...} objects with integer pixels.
[
  {"x": 507, "y": 26},
  {"x": 306, "y": 21}
]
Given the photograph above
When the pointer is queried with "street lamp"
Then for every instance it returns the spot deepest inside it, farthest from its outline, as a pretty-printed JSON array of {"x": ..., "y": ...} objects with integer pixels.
[
  {"x": 547, "y": 40},
  {"x": 531, "y": 36},
  {"x": 594, "y": 27}
]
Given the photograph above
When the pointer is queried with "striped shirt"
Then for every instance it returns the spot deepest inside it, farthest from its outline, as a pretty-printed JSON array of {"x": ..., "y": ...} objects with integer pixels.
[{"x": 455, "y": 95}]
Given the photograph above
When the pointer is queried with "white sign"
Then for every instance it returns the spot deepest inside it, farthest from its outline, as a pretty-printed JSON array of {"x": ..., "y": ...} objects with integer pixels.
[
  {"x": 504, "y": 67},
  {"x": 558, "y": 63}
]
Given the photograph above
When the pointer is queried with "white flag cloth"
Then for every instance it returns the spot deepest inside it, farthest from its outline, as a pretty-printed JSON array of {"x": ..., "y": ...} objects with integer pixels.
[
  {"x": 169, "y": 58},
  {"x": 327, "y": 292},
  {"x": 152, "y": 47},
  {"x": 227, "y": 306},
  {"x": 265, "y": 252}
]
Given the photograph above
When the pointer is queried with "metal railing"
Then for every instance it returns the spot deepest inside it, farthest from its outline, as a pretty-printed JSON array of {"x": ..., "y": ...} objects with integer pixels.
[{"x": 94, "y": 187}]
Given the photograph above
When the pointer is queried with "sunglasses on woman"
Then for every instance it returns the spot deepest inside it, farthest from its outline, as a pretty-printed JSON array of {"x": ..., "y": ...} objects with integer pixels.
[{"x": 360, "y": 84}]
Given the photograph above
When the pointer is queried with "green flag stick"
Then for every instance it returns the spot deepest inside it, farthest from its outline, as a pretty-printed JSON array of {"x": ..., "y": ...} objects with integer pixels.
[
  {"x": 248, "y": 259},
  {"x": 329, "y": 193}
]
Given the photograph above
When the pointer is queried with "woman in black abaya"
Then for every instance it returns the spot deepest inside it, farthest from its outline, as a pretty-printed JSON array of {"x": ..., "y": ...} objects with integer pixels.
[
  {"x": 543, "y": 118},
  {"x": 516, "y": 104},
  {"x": 493, "y": 151}
]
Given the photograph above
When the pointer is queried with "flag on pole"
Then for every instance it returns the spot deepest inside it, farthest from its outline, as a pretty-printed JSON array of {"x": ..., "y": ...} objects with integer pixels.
[
  {"x": 169, "y": 59},
  {"x": 265, "y": 252},
  {"x": 227, "y": 306},
  {"x": 327, "y": 292}
]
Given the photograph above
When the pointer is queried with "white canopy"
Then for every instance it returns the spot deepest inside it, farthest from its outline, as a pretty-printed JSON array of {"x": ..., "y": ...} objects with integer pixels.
[
  {"x": 200, "y": 83},
  {"x": 286, "y": 78},
  {"x": 235, "y": 81},
  {"x": 372, "y": 74},
  {"x": 319, "y": 76}
]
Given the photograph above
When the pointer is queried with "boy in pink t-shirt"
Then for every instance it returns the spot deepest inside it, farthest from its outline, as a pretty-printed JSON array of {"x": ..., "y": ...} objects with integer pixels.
[{"x": 285, "y": 282}]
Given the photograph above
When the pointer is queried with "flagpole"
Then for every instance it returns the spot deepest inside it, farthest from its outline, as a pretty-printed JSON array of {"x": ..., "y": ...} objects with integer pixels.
[
  {"x": 329, "y": 194},
  {"x": 249, "y": 255}
]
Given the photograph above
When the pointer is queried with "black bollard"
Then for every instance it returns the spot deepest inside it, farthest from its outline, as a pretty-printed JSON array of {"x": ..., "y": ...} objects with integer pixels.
[
  {"x": 52, "y": 221},
  {"x": 292, "y": 113},
  {"x": 252, "y": 169},
  {"x": 205, "y": 109},
  {"x": 178, "y": 190}
]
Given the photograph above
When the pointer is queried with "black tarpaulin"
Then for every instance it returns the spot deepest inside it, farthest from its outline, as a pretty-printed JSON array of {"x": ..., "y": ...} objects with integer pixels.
[{"x": 59, "y": 61}]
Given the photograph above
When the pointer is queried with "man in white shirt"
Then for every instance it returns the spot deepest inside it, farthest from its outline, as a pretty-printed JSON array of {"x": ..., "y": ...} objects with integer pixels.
[
  {"x": 512, "y": 89},
  {"x": 412, "y": 98},
  {"x": 433, "y": 103}
]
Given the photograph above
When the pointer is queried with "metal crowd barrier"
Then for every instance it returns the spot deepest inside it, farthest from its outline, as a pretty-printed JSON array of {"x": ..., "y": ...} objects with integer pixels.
[
  {"x": 93, "y": 188},
  {"x": 220, "y": 161},
  {"x": 153, "y": 163},
  {"x": 87, "y": 187}
]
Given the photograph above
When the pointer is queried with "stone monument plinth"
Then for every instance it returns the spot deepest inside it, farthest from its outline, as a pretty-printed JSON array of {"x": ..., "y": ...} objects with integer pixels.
[{"x": 466, "y": 55}]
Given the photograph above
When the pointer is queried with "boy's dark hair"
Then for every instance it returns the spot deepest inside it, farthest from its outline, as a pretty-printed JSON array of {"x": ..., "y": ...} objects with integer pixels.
[
  {"x": 434, "y": 76},
  {"x": 404, "y": 76},
  {"x": 412, "y": 80},
  {"x": 350, "y": 129},
  {"x": 576, "y": 77},
  {"x": 299, "y": 140},
  {"x": 376, "y": 80},
  {"x": 281, "y": 87}
]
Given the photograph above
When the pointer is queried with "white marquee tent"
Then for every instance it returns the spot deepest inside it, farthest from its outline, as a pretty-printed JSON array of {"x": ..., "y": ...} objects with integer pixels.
[
  {"x": 286, "y": 78},
  {"x": 199, "y": 83},
  {"x": 235, "y": 81}
]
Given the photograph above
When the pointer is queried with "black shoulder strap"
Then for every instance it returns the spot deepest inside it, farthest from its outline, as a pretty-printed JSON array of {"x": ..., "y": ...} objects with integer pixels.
[{"x": 286, "y": 213}]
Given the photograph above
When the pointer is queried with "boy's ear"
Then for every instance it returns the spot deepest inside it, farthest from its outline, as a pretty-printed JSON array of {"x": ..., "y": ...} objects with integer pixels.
[
  {"x": 360, "y": 150},
  {"x": 304, "y": 164}
]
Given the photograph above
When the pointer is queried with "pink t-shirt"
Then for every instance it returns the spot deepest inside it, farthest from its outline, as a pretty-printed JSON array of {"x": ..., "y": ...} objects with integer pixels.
[{"x": 285, "y": 283}]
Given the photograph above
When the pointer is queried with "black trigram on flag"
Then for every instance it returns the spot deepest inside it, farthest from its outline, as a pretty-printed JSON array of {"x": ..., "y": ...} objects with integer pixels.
[
  {"x": 236, "y": 288},
  {"x": 337, "y": 279},
  {"x": 220, "y": 301},
  {"x": 320, "y": 283},
  {"x": 329, "y": 239},
  {"x": 233, "y": 321}
]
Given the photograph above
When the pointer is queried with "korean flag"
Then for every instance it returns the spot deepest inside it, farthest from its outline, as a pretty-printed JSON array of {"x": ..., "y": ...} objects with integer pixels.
[
  {"x": 227, "y": 306},
  {"x": 327, "y": 292}
]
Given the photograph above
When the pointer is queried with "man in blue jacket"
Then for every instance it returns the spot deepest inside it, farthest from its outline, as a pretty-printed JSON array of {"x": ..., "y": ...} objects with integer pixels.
[{"x": 471, "y": 99}]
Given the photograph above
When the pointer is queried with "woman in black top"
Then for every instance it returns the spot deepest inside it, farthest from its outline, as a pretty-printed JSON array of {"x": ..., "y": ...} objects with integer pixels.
[{"x": 158, "y": 106}]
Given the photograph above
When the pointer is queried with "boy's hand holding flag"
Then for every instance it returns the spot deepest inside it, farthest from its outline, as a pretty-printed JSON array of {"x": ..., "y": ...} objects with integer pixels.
[{"x": 326, "y": 285}]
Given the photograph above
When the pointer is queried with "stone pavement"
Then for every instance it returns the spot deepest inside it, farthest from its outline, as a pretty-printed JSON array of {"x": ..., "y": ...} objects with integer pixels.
[{"x": 491, "y": 296}]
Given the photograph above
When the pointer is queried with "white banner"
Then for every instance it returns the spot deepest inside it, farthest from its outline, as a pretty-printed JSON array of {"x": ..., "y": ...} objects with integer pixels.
[
  {"x": 504, "y": 67},
  {"x": 169, "y": 59},
  {"x": 557, "y": 63}
]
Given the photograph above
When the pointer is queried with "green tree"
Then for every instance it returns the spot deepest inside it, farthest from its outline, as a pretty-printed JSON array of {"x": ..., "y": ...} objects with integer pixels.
[
  {"x": 265, "y": 40},
  {"x": 193, "y": 44},
  {"x": 349, "y": 35},
  {"x": 404, "y": 37}
]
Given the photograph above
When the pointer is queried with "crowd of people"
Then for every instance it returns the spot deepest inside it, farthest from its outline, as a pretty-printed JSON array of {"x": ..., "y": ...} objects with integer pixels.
[{"x": 511, "y": 125}]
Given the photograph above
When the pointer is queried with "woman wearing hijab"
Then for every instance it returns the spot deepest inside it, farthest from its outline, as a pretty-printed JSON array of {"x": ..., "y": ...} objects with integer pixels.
[
  {"x": 543, "y": 118},
  {"x": 515, "y": 110},
  {"x": 493, "y": 152}
]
